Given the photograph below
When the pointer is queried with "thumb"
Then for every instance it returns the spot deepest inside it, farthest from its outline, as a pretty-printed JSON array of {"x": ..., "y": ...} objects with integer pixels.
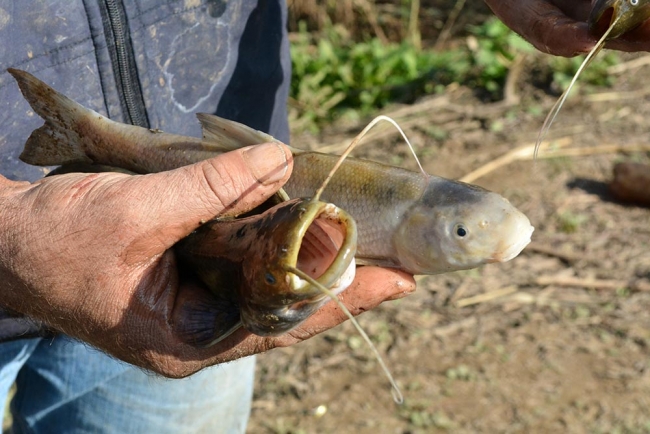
[{"x": 227, "y": 185}]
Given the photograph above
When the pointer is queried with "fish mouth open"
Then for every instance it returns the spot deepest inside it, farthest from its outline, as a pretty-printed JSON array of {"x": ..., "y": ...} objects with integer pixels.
[
  {"x": 325, "y": 249},
  {"x": 315, "y": 254}
]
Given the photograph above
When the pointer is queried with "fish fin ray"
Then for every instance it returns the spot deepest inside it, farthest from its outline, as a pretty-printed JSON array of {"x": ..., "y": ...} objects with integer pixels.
[
  {"x": 230, "y": 135},
  {"x": 57, "y": 142}
]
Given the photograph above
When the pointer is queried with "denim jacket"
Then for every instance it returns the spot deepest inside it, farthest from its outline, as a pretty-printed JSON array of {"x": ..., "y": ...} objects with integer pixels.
[{"x": 153, "y": 63}]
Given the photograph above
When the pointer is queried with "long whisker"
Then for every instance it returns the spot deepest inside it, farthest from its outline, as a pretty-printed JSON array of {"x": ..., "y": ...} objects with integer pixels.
[
  {"x": 356, "y": 141},
  {"x": 550, "y": 118},
  {"x": 397, "y": 394}
]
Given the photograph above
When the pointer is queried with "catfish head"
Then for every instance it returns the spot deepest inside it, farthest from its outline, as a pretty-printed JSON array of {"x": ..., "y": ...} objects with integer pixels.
[{"x": 250, "y": 260}]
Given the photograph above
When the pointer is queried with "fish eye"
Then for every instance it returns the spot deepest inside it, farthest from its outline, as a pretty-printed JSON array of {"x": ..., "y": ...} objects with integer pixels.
[
  {"x": 634, "y": 2},
  {"x": 461, "y": 231},
  {"x": 270, "y": 279}
]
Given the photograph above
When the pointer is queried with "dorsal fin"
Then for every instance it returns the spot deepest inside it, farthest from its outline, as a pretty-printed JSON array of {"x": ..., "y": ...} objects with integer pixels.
[{"x": 230, "y": 135}]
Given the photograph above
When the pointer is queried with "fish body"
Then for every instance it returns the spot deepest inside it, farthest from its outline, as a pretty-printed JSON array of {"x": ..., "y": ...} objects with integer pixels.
[
  {"x": 418, "y": 223},
  {"x": 622, "y": 15}
]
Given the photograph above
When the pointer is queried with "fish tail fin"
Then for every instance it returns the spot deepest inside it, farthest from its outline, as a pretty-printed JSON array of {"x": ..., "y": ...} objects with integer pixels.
[
  {"x": 229, "y": 135},
  {"x": 58, "y": 141}
]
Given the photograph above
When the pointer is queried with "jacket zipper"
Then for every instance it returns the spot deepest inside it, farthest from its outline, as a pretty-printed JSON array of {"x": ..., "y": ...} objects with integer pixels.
[{"x": 118, "y": 40}]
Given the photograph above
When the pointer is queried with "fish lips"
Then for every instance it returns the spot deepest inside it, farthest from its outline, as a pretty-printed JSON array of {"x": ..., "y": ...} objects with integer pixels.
[{"x": 510, "y": 251}]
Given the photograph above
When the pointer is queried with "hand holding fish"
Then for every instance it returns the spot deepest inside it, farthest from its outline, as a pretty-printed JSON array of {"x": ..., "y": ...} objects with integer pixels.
[
  {"x": 570, "y": 27},
  {"x": 90, "y": 255}
]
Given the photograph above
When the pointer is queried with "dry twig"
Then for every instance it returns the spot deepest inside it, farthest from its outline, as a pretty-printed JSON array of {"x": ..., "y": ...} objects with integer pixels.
[
  {"x": 525, "y": 152},
  {"x": 590, "y": 283},
  {"x": 626, "y": 66},
  {"x": 488, "y": 296},
  {"x": 550, "y": 251},
  {"x": 552, "y": 149},
  {"x": 451, "y": 20}
]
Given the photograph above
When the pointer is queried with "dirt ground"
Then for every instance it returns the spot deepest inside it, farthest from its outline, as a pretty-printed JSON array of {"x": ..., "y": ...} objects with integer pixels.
[{"x": 557, "y": 340}]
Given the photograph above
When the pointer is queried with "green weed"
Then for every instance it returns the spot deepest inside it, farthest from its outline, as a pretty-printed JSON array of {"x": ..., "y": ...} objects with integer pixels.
[
  {"x": 570, "y": 222},
  {"x": 334, "y": 75},
  {"x": 420, "y": 415},
  {"x": 596, "y": 74}
]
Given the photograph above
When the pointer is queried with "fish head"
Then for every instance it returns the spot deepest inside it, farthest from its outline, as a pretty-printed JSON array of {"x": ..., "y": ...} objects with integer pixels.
[
  {"x": 457, "y": 226},
  {"x": 314, "y": 237},
  {"x": 623, "y": 15}
]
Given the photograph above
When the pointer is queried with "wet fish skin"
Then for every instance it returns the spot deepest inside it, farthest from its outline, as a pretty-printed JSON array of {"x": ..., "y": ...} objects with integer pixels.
[
  {"x": 405, "y": 219},
  {"x": 629, "y": 13}
]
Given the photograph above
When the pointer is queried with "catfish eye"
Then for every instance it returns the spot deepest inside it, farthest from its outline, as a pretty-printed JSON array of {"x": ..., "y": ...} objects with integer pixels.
[
  {"x": 461, "y": 231},
  {"x": 270, "y": 279}
]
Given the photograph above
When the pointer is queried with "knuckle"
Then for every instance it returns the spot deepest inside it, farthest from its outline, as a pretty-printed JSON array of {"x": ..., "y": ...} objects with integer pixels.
[{"x": 220, "y": 186}]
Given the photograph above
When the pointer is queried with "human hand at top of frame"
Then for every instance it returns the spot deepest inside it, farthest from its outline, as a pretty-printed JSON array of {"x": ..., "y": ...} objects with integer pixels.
[
  {"x": 90, "y": 255},
  {"x": 560, "y": 26}
]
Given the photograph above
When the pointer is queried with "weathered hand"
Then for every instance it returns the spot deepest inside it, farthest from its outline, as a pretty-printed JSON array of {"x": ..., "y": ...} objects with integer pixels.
[
  {"x": 560, "y": 26},
  {"x": 90, "y": 255}
]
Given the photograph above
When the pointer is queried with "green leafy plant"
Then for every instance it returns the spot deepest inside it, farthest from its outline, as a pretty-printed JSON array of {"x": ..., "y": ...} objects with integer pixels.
[
  {"x": 334, "y": 76},
  {"x": 595, "y": 74}
]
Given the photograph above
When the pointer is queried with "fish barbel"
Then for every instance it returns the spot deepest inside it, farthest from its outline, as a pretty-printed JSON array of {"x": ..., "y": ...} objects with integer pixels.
[
  {"x": 418, "y": 223},
  {"x": 621, "y": 15},
  {"x": 608, "y": 19}
]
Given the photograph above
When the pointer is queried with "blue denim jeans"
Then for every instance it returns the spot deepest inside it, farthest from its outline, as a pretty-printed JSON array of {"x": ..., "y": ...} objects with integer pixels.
[{"x": 64, "y": 386}]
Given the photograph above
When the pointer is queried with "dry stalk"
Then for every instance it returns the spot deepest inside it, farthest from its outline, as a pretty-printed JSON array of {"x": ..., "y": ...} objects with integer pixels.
[
  {"x": 626, "y": 66},
  {"x": 525, "y": 152},
  {"x": 550, "y": 251},
  {"x": 554, "y": 149},
  {"x": 590, "y": 283},
  {"x": 617, "y": 96},
  {"x": 488, "y": 296},
  {"x": 449, "y": 24},
  {"x": 414, "y": 25}
]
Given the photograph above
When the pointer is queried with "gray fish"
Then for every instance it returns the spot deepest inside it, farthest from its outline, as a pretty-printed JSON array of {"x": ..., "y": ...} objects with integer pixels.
[{"x": 421, "y": 224}]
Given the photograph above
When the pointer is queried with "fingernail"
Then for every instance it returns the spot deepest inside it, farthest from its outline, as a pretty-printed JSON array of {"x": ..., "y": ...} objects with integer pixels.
[{"x": 267, "y": 162}]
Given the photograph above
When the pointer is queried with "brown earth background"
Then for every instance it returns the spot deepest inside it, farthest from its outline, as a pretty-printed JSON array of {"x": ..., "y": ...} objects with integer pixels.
[{"x": 556, "y": 340}]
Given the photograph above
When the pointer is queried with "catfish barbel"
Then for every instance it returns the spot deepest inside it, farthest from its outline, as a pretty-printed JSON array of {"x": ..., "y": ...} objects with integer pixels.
[
  {"x": 406, "y": 220},
  {"x": 608, "y": 19}
]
